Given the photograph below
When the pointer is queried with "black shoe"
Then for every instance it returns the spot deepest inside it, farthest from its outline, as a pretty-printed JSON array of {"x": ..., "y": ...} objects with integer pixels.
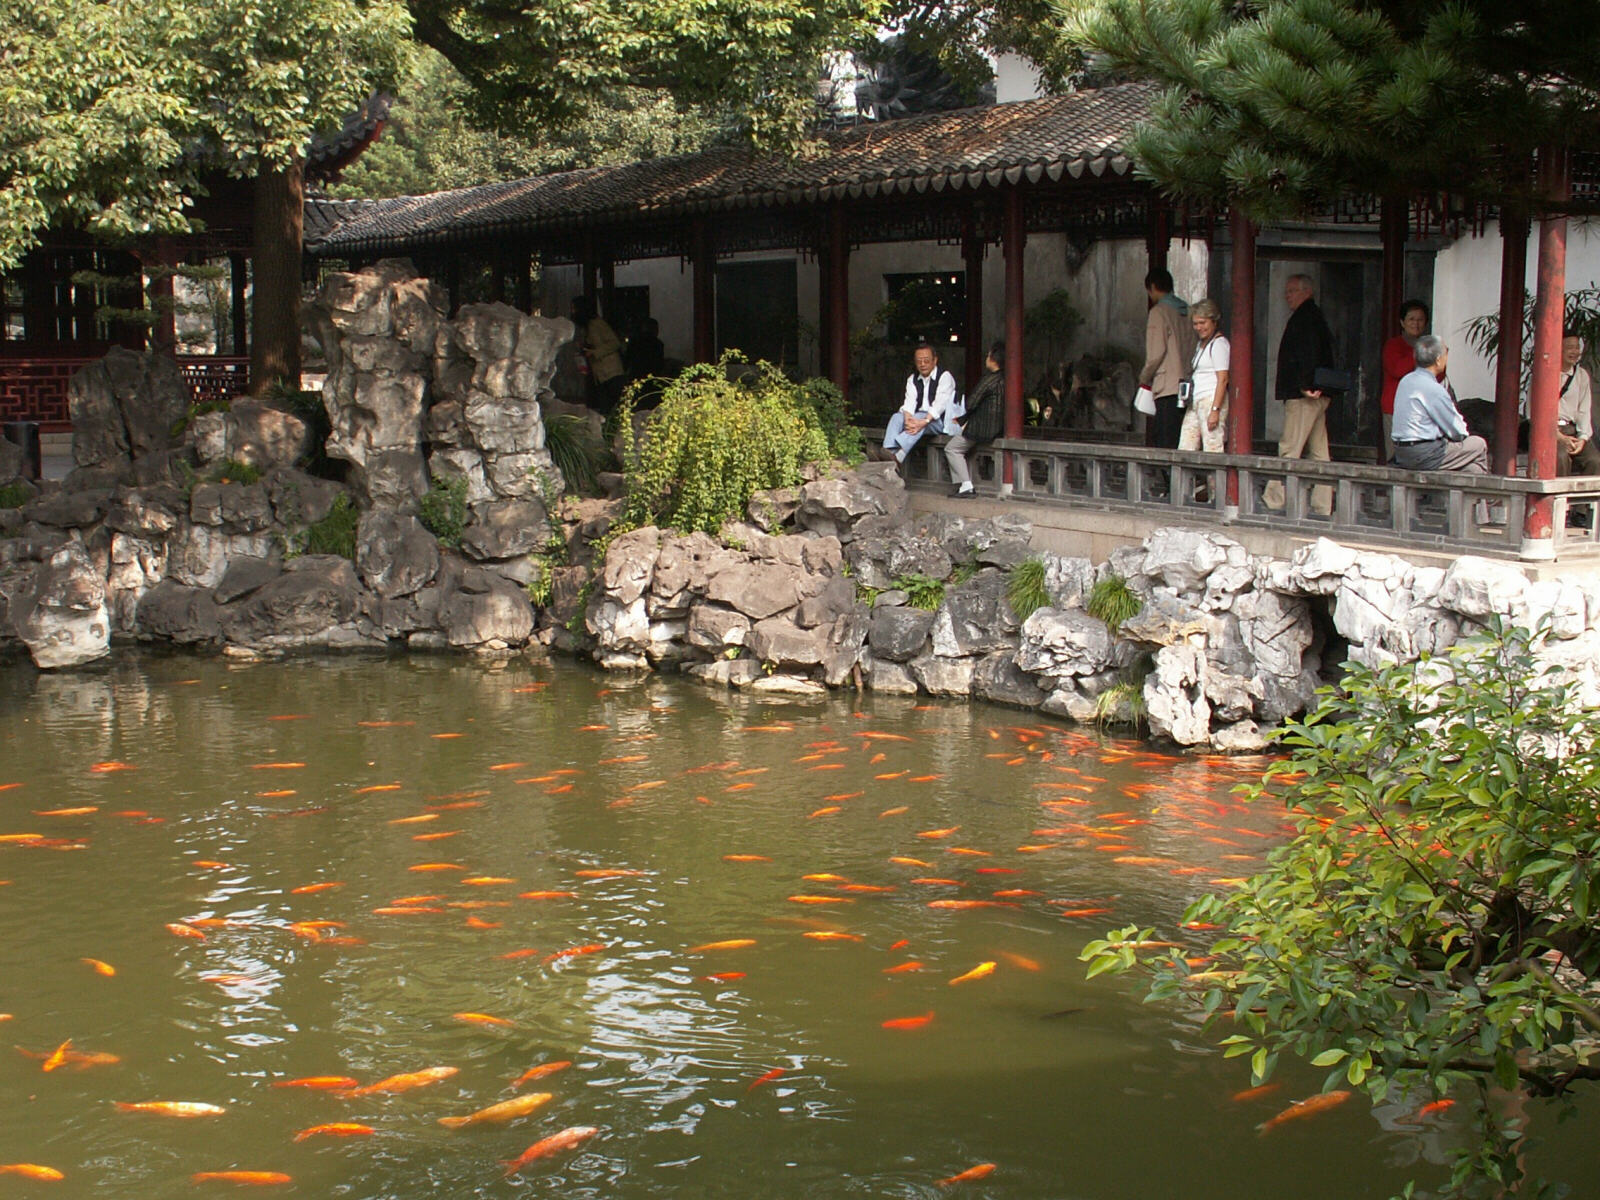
[{"x": 965, "y": 493}]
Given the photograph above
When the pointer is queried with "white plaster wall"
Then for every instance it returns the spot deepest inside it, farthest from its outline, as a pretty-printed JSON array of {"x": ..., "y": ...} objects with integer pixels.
[
  {"x": 1466, "y": 284},
  {"x": 1015, "y": 78}
]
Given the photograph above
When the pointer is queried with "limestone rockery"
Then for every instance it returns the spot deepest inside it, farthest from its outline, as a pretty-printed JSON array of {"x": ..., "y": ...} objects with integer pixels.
[{"x": 193, "y": 528}]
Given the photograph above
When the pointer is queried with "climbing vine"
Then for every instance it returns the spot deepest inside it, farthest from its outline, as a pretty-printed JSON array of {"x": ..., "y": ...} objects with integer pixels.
[{"x": 714, "y": 441}]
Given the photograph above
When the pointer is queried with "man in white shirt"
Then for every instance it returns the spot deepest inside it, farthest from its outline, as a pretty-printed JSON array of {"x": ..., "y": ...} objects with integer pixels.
[
  {"x": 930, "y": 392},
  {"x": 1575, "y": 451}
]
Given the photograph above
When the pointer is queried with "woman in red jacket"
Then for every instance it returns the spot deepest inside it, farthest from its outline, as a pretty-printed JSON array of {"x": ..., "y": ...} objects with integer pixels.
[{"x": 1399, "y": 360}]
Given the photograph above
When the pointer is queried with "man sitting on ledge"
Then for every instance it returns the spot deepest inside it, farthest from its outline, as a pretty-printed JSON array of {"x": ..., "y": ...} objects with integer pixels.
[
  {"x": 930, "y": 392},
  {"x": 1429, "y": 432}
]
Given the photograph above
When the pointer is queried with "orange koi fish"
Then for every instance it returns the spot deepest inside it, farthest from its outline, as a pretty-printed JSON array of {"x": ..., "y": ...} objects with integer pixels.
[
  {"x": 376, "y": 787},
  {"x": 1083, "y": 912},
  {"x": 981, "y": 1171},
  {"x": 473, "y": 1018},
  {"x": 909, "y": 1022},
  {"x": 895, "y": 811},
  {"x": 72, "y": 1060},
  {"x": 875, "y": 736},
  {"x": 257, "y": 1178},
  {"x": 320, "y": 1082},
  {"x": 935, "y": 834},
  {"x": 1255, "y": 1093},
  {"x": 437, "y": 866},
  {"x": 339, "y": 1129},
  {"x": 556, "y": 1143},
  {"x": 1435, "y": 1106},
  {"x": 775, "y": 1073},
  {"x": 508, "y": 766},
  {"x": 912, "y": 965},
  {"x": 106, "y": 768},
  {"x": 277, "y": 766},
  {"x": 419, "y": 819},
  {"x": 311, "y": 889},
  {"x": 724, "y": 976},
  {"x": 497, "y": 1114},
  {"x": 868, "y": 889},
  {"x": 58, "y": 1057},
  {"x": 539, "y": 1072},
  {"x": 832, "y": 935},
  {"x": 178, "y": 929},
  {"x": 69, "y": 812},
  {"x": 827, "y": 810},
  {"x": 528, "y": 953},
  {"x": 892, "y": 775},
  {"x": 31, "y": 1171},
  {"x": 547, "y": 895},
  {"x": 604, "y": 762},
  {"x": 824, "y": 877},
  {"x": 480, "y": 923},
  {"x": 407, "y": 1082},
  {"x": 434, "y": 837},
  {"x": 821, "y": 899},
  {"x": 924, "y": 778},
  {"x": 745, "y": 858},
  {"x": 977, "y": 972},
  {"x": 607, "y": 873},
  {"x": 1012, "y": 893},
  {"x": 405, "y": 910},
  {"x": 935, "y": 881},
  {"x": 1305, "y": 1108},
  {"x": 575, "y": 951},
  {"x": 171, "y": 1108},
  {"x": 279, "y": 794},
  {"x": 486, "y": 880},
  {"x": 1020, "y": 961},
  {"x": 445, "y": 737},
  {"x": 963, "y": 905},
  {"x": 903, "y": 861},
  {"x": 730, "y": 944}
]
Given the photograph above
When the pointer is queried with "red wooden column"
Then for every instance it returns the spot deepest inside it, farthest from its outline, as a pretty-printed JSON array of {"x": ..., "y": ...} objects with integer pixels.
[
  {"x": 1508, "y": 360},
  {"x": 1549, "y": 312},
  {"x": 1242, "y": 349},
  {"x": 972, "y": 263},
  {"x": 705, "y": 296},
  {"x": 836, "y": 298},
  {"x": 1392, "y": 223},
  {"x": 1014, "y": 235}
]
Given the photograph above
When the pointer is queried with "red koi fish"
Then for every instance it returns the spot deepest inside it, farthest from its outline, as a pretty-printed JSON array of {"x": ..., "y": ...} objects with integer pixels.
[
  {"x": 909, "y": 1022},
  {"x": 539, "y": 1072},
  {"x": 403, "y": 1083},
  {"x": 323, "y": 1082},
  {"x": 981, "y": 1171},
  {"x": 556, "y": 1143},
  {"x": 475, "y": 1018},
  {"x": 339, "y": 1129},
  {"x": 257, "y": 1178},
  {"x": 963, "y": 905},
  {"x": 775, "y": 1073}
]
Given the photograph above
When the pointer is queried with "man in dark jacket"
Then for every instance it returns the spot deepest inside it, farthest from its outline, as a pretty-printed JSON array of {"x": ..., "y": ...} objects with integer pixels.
[{"x": 1306, "y": 345}]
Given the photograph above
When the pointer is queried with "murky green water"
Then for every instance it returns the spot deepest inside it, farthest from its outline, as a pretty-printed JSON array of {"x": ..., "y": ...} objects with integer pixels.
[{"x": 246, "y": 783}]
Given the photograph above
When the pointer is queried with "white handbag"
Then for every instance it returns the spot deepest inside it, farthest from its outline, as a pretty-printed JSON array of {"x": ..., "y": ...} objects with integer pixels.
[{"x": 1145, "y": 401}]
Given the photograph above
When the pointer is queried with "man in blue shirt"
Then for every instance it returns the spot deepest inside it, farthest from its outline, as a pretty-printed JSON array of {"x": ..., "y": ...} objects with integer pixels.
[{"x": 1429, "y": 432}]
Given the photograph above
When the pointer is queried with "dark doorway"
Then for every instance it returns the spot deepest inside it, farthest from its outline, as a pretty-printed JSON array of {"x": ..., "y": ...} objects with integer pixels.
[
  {"x": 626, "y": 308},
  {"x": 757, "y": 310}
]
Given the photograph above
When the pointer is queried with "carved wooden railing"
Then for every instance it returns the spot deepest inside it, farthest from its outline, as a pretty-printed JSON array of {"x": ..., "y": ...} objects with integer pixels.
[
  {"x": 1446, "y": 510},
  {"x": 35, "y": 389}
]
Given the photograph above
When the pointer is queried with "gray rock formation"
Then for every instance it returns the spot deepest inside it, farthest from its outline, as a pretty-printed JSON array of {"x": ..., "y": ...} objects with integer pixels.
[{"x": 59, "y": 611}]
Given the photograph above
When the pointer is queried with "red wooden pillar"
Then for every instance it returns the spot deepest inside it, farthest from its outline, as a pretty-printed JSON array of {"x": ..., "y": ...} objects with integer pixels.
[
  {"x": 836, "y": 298},
  {"x": 705, "y": 296},
  {"x": 972, "y": 262},
  {"x": 1508, "y": 361},
  {"x": 1242, "y": 348},
  {"x": 1014, "y": 234},
  {"x": 1549, "y": 312},
  {"x": 1392, "y": 224}
]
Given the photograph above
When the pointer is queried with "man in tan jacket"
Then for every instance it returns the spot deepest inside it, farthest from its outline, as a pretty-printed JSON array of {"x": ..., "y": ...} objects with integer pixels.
[{"x": 1168, "y": 354}]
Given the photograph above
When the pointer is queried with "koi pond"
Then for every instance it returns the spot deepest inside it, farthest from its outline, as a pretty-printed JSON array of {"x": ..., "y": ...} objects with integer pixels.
[{"x": 286, "y": 923}]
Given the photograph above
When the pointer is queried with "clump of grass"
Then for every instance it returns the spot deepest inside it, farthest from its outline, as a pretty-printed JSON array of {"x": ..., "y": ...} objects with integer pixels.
[
  {"x": 1114, "y": 602},
  {"x": 922, "y": 591},
  {"x": 336, "y": 532},
  {"x": 1025, "y": 589},
  {"x": 231, "y": 470},
  {"x": 1122, "y": 703},
  {"x": 443, "y": 511},
  {"x": 575, "y": 452},
  {"x": 15, "y": 494}
]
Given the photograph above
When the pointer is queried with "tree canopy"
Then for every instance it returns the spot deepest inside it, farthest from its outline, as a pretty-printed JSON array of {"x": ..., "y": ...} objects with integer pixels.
[
  {"x": 1433, "y": 926},
  {"x": 1281, "y": 105},
  {"x": 112, "y": 112}
]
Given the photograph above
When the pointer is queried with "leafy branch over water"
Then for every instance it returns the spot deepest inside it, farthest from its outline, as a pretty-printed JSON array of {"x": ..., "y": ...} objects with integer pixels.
[{"x": 1431, "y": 927}]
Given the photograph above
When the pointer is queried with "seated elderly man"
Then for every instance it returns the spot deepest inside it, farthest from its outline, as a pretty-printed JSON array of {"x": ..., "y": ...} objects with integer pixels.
[
  {"x": 1429, "y": 432},
  {"x": 930, "y": 395}
]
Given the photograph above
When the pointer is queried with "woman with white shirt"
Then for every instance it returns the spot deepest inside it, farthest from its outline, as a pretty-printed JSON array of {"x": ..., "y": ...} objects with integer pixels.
[{"x": 1205, "y": 424}]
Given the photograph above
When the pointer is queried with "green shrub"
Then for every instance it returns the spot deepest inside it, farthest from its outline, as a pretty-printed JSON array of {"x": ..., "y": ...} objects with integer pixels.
[
  {"x": 443, "y": 511},
  {"x": 712, "y": 443},
  {"x": 1025, "y": 589},
  {"x": 1121, "y": 704},
  {"x": 336, "y": 532},
  {"x": 231, "y": 470},
  {"x": 1113, "y": 601},
  {"x": 15, "y": 494},
  {"x": 577, "y": 454},
  {"x": 922, "y": 591},
  {"x": 540, "y": 587},
  {"x": 308, "y": 406}
]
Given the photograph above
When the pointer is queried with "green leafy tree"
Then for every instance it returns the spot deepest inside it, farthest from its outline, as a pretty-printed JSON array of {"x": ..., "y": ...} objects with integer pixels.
[
  {"x": 547, "y": 62},
  {"x": 1282, "y": 105},
  {"x": 117, "y": 113},
  {"x": 430, "y": 144},
  {"x": 1432, "y": 926}
]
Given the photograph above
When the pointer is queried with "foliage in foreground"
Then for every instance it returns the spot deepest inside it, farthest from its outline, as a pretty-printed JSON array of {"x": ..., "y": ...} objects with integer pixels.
[
  {"x": 443, "y": 510},
  {"x": 1432, "y": 925},
  {"x": 1111, "y": 600},
  {"x": 1026, "y": 589},
  {"x": 336, "y": 532},
  {"x": 713, "y": 442}
]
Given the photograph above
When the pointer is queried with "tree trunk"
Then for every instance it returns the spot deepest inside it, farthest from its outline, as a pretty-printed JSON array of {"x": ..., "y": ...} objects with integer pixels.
[{"x": 275, "y": 309}]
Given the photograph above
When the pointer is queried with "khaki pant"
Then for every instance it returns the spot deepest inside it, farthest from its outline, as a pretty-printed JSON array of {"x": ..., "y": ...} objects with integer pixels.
[{"x": 1305, "y": 435}]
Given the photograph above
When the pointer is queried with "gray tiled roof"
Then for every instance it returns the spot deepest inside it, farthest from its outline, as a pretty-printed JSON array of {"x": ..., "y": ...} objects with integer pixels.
[{"x": 1048, "y": 138}]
